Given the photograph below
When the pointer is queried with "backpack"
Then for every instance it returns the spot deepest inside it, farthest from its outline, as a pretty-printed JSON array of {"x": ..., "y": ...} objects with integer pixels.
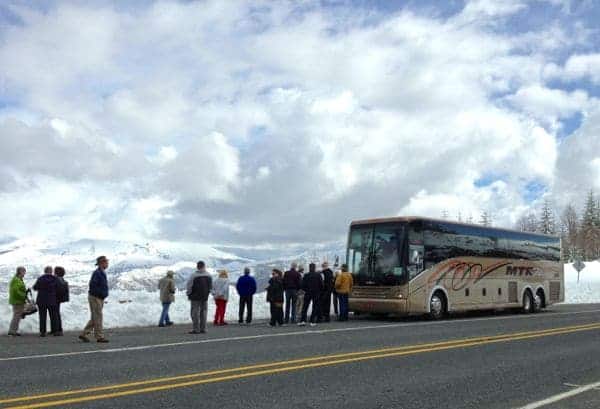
[{"x": 62, "y": 291}]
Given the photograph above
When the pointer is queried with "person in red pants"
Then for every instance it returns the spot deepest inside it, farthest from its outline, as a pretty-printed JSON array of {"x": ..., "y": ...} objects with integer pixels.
[{"x": 220, "y": 292}]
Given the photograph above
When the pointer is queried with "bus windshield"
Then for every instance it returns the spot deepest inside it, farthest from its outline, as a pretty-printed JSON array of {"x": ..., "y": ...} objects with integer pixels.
[{"x": 375, "y": 254}]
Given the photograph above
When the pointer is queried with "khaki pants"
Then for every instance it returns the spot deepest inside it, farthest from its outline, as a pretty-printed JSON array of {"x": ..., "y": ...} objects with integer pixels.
[
  {"x": 16, "y": 318},
  {"x": 95, "y": 323}
]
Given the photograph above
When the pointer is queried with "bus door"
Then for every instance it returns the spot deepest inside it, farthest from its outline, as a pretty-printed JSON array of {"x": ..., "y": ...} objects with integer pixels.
[{"x": 415, "y": 249}]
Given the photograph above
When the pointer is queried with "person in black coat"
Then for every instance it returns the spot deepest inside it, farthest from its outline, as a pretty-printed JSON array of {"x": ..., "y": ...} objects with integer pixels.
[
  {"x": 312, "y": 284},
  {"x": 46, "y": 301},
  {"x": 327, "y": 275},
  {"x": 62, "y": 295},
  {"x": 275, "y": 297}
]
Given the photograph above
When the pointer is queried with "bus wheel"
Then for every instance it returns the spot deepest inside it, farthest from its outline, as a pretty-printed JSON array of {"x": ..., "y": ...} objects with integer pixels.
[
  {"x": 527, "y": 302},
  {"x": 437, "y": 306},
  {"x": 538, "y": 301}
]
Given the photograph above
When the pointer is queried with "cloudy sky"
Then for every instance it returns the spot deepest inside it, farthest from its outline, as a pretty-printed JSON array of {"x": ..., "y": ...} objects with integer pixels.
[{"x": 252, "y": 123}]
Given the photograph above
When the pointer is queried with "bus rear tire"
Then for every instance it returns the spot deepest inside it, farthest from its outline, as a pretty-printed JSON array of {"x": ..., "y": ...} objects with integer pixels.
[
  {"x": 438, "y": 306},
  {"x": 527, "y": 306},
  {"x": 538, "y": 301}
]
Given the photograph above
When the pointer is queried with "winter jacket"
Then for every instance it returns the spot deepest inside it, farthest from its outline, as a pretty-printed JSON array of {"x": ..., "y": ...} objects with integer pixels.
[
  {"x": 292, "y": 280},
  {"x": 312, "y": 283},
  {"x": 166, "y": 285},
  {"x": 220, "y": 289},
  {"x": 199, "y": 286},
  {"x": 17, "y": 293},
  {"x": 344, "y": 283},
  {"x": 246, "y": 285},
  {"x": 275, "y": 290},
  {"x": 46, "y": 290},
  {"x": 99, "y": 284},
  {"x": 328, "y": 280},
  {"x": 62, "y": 290}
]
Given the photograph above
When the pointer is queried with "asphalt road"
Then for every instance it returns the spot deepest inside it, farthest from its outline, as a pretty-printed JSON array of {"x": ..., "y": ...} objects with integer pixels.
[{"x": 494, "y": 360}]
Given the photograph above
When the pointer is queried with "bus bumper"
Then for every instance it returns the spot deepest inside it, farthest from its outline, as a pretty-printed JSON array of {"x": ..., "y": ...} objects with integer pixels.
[{"x": 374, "y": 305}]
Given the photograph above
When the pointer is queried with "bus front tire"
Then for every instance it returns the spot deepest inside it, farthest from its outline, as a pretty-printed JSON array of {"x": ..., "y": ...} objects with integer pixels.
[
  {"x": 527, "y": 306},
  {"x": 438, "y": 306}
]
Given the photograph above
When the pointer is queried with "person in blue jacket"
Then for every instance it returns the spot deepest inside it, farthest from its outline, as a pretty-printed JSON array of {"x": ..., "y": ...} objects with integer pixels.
[
  {"x": 246, "y": 287},
  {"x": 97, "y": 293}
]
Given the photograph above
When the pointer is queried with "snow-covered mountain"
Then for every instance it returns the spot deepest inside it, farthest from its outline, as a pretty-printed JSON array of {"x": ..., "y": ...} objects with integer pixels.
[{"x": 135, "y": 266}]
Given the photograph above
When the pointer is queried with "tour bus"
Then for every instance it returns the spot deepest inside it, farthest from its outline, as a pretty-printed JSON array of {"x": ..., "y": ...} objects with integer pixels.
[{"x": 416, "y": 265}]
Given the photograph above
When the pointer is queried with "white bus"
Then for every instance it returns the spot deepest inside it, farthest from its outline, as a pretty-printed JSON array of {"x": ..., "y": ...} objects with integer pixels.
[{"x": 415, "y": 265}]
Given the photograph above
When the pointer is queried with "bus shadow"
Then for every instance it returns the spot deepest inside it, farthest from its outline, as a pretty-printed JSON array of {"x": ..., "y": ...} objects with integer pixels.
[{"x": 452, "y": 316}]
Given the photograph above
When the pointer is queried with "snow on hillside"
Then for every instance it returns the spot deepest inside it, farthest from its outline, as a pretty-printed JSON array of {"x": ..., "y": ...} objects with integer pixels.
[{"x": 133, "y": 275}]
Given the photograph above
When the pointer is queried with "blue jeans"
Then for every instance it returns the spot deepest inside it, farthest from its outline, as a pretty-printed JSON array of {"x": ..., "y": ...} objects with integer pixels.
[
  {"x": 343, "y": 300},
  {"x": 164, "y": 316}
]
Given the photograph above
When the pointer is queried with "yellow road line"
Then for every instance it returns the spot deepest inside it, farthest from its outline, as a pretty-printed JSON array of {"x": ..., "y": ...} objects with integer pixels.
[{"x": 291, "y": 366}]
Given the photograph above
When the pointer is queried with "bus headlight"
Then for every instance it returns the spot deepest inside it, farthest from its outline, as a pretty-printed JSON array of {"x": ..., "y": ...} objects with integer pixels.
[{"x": 400, "y": 296}]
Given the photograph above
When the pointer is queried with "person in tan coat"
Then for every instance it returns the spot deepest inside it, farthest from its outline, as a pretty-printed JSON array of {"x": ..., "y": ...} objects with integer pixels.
[
  {"x": 166, "y": 285},
  {"x": 343, "y": 287}
]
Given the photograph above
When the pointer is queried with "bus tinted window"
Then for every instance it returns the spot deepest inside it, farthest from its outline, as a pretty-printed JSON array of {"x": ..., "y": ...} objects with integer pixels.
[{"x": 447, "y": 240}]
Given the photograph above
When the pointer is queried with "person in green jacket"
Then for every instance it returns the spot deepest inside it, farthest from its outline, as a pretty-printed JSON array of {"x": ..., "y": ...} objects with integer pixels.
[{"x": 16, "y": 297}]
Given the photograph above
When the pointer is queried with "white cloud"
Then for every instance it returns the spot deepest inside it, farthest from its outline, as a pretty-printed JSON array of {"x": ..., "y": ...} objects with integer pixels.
[{"x": 222, "y": 122}]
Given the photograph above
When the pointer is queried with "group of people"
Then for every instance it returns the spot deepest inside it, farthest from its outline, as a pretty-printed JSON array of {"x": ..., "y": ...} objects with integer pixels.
[
  {"x": 200, "y": 285},
  {"x": 52, "y": 290},
  {"x": 294, "y": 289},
  {"x": 315, "y": 289}
]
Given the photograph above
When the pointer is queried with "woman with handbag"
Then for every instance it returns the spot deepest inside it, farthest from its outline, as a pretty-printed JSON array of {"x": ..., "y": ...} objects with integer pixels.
[
  {"x": 17, "y": 296},
  {"x": 220, "y": 293}
]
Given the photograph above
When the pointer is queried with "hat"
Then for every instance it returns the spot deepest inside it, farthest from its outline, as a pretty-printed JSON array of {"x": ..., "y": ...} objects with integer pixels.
[
  {"x": 325, "y": 264},
  {"x": 101, "y": 259},
  {"x": 170, "y": 273}
]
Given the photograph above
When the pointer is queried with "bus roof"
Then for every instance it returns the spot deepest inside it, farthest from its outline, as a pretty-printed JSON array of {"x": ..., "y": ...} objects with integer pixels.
[{"x": 416, "y": 218}]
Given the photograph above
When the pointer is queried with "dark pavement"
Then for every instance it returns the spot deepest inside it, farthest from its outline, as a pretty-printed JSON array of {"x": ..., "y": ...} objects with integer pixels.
[{"x": 457, "y": 363}]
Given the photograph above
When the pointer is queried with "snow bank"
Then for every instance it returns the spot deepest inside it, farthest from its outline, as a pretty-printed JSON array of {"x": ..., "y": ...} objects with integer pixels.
[
  {"x": 587, "y": 290},
  {"x": 131, "y": 308}
]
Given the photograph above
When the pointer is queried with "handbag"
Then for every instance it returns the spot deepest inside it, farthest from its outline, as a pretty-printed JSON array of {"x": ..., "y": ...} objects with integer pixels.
[{"x": 30, "y": 307}]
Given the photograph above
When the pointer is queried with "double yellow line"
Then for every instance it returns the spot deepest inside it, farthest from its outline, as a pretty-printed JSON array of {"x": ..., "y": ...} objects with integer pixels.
[{"x": 173, "y": 382}]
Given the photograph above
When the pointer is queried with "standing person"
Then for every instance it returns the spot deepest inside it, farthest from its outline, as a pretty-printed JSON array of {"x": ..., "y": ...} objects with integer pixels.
[
  {"x": 343, "y": 286},
  {"x": 97, "y": 293},
  {"x": 312, "y": 284},
  {"x": 300, "y": 293},
  {"x": 199, "y": 286},
  {"x": 327, "y": 275},
  {"x": 62, "y": 295},
  {"x": 46, "y": 300},
  {"x": 246, "y": 287},
  {"x": 275, "y": 297},
  {"x": 334, "y": 295},
  {"x": 220, "y": 293},
  {"x": 17, "y": 294},
  {"x": 166, "y": 285},
  {"x": 292, "y": 282}
]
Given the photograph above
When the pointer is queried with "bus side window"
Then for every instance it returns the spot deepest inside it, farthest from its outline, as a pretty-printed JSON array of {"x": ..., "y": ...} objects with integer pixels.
[{"x": 416, "y": 251}]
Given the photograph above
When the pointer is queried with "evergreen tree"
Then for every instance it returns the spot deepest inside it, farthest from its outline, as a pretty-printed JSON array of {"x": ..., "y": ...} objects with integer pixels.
[
  {"x": 590, "y": 229},
  {"x": 547, "y": 224},
  {"x": 486, "y": 219}
]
